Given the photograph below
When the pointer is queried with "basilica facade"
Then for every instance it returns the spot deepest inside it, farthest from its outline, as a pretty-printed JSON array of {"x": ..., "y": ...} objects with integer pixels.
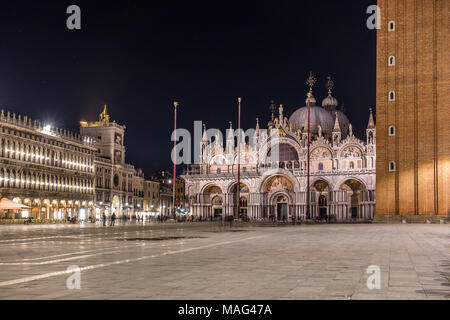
[{"x": 273, "y": 168}]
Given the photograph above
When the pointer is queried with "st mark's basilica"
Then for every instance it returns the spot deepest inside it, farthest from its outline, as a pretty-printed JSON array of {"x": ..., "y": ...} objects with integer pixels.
[{"x": 342, "y": 168}]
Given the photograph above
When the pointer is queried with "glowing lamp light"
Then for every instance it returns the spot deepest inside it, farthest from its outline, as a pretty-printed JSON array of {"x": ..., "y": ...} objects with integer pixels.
[{"x": 82, "y": 214}]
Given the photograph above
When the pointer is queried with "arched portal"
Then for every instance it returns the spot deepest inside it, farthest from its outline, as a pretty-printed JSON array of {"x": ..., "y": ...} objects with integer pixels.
[
  {"x": 281, "y": 206},
  {"x": 279, "y": 191},
  {"x": 212, "y": 201},
  {"x": 244, "y": 192},
  {"x": 321, "y": 190},
  {"x": 354, "y": 190}
]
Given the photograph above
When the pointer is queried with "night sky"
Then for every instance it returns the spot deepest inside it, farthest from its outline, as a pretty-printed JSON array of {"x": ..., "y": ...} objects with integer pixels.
[{"x": 140, "y": 56}]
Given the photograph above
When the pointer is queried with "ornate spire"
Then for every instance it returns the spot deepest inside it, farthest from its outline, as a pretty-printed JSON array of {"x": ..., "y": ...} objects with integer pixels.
[
  {"x": 230, "y": 131},
  {"x": 337, "y": 127},
  {"x": 371, "y": 124},
  {"x": 330, "y": 85},
  {"x": 311, "y": 81},
  {"x": 205, "y": 137},
  {"x": 272, "y": 109},
  {"x": 330, "y": 103},
  {"x": 257, "y": 126}
]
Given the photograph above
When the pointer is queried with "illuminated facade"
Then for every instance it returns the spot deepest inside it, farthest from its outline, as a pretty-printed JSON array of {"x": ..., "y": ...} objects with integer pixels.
[
  {"x": 119, "y": 186},
  {"x": 413, "y": 109},
  {"x": 151, "y": 196},
  {"x": 48, "y": 169},
  {"x": 61, "y": 174},
  {"x": 342, "y": 177}
]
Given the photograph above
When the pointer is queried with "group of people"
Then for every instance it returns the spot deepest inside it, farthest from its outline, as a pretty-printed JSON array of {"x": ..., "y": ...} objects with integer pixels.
[{"x": 112, "y": 222}]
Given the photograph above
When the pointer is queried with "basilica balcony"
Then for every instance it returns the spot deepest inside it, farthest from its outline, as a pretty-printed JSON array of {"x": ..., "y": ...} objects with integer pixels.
[{"x": 296, "y": 170}]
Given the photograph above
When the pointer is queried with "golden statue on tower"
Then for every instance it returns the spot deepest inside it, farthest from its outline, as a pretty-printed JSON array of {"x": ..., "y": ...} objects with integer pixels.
[{"x": 104, "y": 116}]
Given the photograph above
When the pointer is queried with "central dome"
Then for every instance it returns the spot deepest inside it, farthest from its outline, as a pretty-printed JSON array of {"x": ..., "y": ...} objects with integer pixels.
[{"x": 319, "y": 116}]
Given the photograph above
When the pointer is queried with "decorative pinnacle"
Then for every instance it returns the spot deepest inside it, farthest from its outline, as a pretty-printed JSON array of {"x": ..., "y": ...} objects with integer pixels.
[
  {"x": 311, "y": 81},
  {"x": 272, "y": 108},
  {"x": 329, "y": 85}
]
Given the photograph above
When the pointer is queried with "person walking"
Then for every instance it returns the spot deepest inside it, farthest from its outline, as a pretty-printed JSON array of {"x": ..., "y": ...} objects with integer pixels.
[
  {"x": 113, "y": 220},
  {"x": 230, "y": 219},
  {"x": 104, "y": 219}
]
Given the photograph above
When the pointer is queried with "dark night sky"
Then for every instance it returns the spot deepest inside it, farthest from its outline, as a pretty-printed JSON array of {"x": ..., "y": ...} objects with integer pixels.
[{"x": 138, "y": 56}]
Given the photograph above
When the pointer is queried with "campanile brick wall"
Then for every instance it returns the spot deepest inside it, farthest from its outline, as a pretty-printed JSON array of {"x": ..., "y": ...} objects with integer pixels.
[{"x": 420, "y": 112}]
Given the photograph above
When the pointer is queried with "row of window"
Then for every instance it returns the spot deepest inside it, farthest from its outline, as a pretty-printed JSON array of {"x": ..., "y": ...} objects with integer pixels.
[
  {"x": 36, "y": 181},
  {"x": 39, "y": 155},
  {"x": 391, "y": 62},
  {"x": 40, "y": 139}
]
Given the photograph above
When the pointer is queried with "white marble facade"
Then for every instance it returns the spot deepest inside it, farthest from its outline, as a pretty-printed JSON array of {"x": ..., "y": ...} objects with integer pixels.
[{"x": 342, "y": 169}]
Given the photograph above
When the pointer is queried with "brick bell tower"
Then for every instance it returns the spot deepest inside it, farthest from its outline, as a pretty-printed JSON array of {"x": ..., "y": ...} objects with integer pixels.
[{"x": 413, "y": 108}]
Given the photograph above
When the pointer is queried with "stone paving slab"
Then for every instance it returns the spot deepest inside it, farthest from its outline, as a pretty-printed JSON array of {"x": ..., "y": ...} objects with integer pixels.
[{"x": 313, "y": 262}]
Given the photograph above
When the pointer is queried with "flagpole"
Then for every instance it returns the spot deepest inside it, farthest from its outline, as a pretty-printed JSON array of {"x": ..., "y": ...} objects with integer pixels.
[
  {"x": 174, "y": 180},
  {"x": 311, "y": 81},
  {"x": 239, "y": 160},
  {"x": 308, "y": 194}
]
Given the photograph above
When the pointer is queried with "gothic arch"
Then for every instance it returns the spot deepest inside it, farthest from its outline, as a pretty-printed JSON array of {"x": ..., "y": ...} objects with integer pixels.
[
  {"x": 282, "y": 173},
  {"x": 275, "y": 195},
  {"x": 330, "y": 185},
  {"x": 321, "y": 146},
  {"x": 265, "y": 148},
  {"x": 341, "y": 181},
  {"x": 343, "y": 148},
  {"x": 210, "y": 185},
  {"x": 217, "y": 157},
  {"x": 231, "y": 186}
]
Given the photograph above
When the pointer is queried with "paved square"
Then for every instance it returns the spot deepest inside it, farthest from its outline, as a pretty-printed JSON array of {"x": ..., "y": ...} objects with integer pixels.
[{"x": 203, "y": 261}]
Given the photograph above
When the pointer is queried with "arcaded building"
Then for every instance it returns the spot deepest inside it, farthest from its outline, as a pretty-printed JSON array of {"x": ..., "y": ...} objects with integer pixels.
[
  {"x": 50, "y": 170},
  {"x": 342, "y": 176},
  {"x": 61, "y": 174},
  {"x": 413, "y": 108}
]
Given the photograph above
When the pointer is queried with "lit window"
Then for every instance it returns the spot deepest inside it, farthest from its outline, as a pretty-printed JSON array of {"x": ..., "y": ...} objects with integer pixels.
[
  {"x": 391, "y": 166},
  {"x": 392, "y": 131},
  {"x": 392, "y": 96},
  {"x": 391, "y": 26},
  {"x": 391, "y": 61}
]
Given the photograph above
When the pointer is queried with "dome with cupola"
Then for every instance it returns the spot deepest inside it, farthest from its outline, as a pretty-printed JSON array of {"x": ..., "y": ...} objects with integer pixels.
[{"x": 318, "y": 117}]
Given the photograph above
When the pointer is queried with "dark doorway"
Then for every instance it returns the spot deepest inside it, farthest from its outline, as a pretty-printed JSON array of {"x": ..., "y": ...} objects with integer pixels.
[
  {"x": 354, "y": 213},
  {"x": 323, "y": 213},
  {"x": 282, "y": 211},
  {"x": 217, "y": 213},
  {"x": 323, "y": 209}
]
